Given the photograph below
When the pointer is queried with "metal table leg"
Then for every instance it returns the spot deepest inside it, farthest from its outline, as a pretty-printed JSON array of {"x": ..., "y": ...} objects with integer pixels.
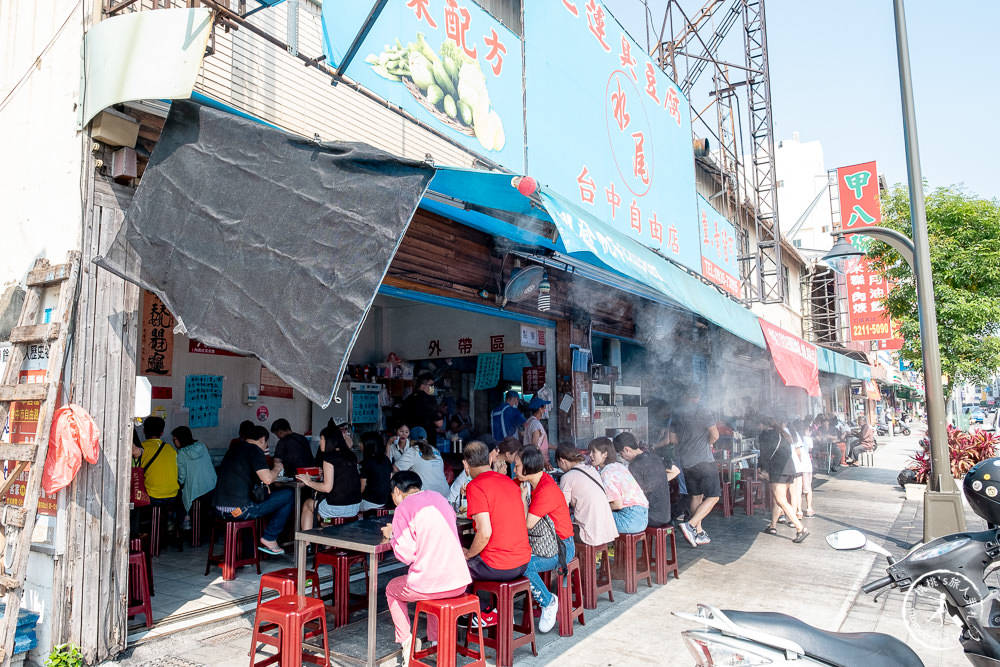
[{"x": 372, "y": 606}]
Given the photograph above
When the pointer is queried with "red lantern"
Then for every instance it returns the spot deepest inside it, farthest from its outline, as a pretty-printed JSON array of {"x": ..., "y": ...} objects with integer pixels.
[{"x": 526, "y": 185}]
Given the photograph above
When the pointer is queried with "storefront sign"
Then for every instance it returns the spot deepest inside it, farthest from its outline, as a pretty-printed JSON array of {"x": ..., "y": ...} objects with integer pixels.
[
  {"x": 22, "y": 428},
  {"x": 532, "y": 337},
  {"x": 272, "y": 385},
  {"x": 194, "y": 347},
  {"x": 718, "y": 248},
  {"x": 794, "y": 359},
  {"x": 488, "y": 367},
  {"x": 156, "y": 354},
  {"x": 47, "y": 502},
  {"x": 203, "y": 399},
  {"x": 866, "y": 289},
  {"x": 532, "y": 379},
  {"x": 263, "y": 413},
  {"x": 607, "y": 129},
  {"x": 447, "y": 62}
]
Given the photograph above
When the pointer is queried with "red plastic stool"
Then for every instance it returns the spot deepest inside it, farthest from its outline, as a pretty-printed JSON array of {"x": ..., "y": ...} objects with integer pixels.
[
  {"x": 500, "y": 637},
  {"x": 141, "y": 544},
  {"x": 569, "y": 591},
  {"x": 340, "y": 563},
  {"x": 632, "y": 568},
  {"x": 756, "y": 496},
  {"x": 596, "y": 582},
  {"x": 291, "y": 615},
  {"x": 230, "y": 558},
  {"x": 448, "y": 611},
  {"x": 285, "y": 582},
  {"x": 726, "y": 499},
  {"x": 139, "y": 587},
  {"x": 662, "y": 564}
]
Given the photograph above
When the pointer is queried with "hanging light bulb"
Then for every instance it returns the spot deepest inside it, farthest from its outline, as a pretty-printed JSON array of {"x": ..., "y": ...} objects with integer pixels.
[{"x": 544, "y": 288}]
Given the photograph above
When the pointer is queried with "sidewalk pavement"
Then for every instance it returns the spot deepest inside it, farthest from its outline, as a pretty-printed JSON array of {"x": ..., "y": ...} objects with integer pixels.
[{"x": 741, "y": 569}]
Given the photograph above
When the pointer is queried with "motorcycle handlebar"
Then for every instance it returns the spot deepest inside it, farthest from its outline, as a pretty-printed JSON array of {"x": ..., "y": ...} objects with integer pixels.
[{"x": 877, "y": 584}]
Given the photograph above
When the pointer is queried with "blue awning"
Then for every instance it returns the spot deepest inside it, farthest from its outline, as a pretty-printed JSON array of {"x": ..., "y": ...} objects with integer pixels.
[
  {"x": 834, "y": 362},
  {"x": 475, "y": 197}
]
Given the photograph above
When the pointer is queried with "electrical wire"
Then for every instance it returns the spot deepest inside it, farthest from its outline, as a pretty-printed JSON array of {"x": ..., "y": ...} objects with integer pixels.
[{"x": 36, "y": 63}]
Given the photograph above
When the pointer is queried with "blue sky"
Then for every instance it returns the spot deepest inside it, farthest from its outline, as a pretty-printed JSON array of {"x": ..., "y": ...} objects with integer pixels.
[{"x": 834, "y": 78}]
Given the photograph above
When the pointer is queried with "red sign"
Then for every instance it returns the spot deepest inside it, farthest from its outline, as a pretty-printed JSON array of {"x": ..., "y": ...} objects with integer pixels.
[
  {"x": 194, "y": 347},
  {"x": 532, "y": 379},
  {"x": 794, "y": 359},
  {"x": 273, "y": 386},
  {"x": 162, "y": 393},
  {"x": 263, "y": 413},
  {"x": 866, "y": 289},
  {"x": 23, "y": 423}
]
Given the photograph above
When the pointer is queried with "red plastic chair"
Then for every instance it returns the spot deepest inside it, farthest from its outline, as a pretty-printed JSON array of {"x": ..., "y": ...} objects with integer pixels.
[
  {"x": 232, "y": 556},
  {"x": 291, "y": 615},
  {"x": 138, "y": 580},
  {"x": 340, "y": 563},
  {"x": 596, "y": 581},
  {"x": 663, "y": 564},
  {"x": 628, "y": 564},
  {"x": 500, "y": 637},
  {"x": 569, "y": 591},
  {"x": 448, "y": 611}
]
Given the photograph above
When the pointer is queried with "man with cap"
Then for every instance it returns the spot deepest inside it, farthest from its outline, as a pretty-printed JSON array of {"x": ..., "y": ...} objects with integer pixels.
[
  {"x": 506, "y": 419},
  {"x": 534, "y": 431}
]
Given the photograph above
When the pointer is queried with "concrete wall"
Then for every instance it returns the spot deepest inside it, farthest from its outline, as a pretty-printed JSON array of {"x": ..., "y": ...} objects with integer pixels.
[
  {"x": 40, "y": 173},
  {"x": 801, "y": 176}
]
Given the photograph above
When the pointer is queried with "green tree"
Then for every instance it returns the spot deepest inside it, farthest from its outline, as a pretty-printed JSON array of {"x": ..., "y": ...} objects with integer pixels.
[{"x": 964, "y": 233}]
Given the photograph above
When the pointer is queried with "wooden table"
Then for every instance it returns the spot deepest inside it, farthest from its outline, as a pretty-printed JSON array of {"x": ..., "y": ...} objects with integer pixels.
[{"x": 362, "y": 536}]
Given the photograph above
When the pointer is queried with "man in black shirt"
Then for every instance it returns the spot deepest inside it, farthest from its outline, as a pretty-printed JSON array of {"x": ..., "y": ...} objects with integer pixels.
[
  {"x": 242, "y": 468},
  {"x": 293, "y": 450},
  {"x": 420, "y": 408},
  {"x": 652, "y": 474}
]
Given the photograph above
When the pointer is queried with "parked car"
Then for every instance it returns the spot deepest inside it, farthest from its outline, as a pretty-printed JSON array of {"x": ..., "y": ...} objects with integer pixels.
[{"x": 977, "y": 416}]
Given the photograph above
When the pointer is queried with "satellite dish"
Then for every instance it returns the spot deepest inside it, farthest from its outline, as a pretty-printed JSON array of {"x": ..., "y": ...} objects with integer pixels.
[{"x": 523, "y": 283}]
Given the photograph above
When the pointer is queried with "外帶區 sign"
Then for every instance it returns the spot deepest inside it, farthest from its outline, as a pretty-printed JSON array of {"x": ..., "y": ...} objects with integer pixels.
[{"x": 607, "y": 129}]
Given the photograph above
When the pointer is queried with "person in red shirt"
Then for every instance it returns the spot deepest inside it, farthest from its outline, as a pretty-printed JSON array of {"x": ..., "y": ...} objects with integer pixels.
[
  {"x": 548, "y": 503},
  {"x": 500, "y": 549}
]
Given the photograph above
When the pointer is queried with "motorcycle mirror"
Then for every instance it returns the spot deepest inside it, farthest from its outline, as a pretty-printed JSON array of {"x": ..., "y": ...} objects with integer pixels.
[{"x": 847, "y": 540}]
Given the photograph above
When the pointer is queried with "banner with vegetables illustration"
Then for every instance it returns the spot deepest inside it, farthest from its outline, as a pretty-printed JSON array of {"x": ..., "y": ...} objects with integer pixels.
[
  {"x": 607, "y": 129},
  {"x": 447, "y": 62}
]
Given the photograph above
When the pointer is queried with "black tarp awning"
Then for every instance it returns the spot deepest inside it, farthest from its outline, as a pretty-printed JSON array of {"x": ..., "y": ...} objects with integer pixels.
[{"x": 266, "y": 243}]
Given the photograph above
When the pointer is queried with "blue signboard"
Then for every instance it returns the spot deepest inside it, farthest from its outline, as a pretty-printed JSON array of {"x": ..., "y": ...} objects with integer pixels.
[
  {"x": 718, "y": 248},
  {"x": 607, "y": 129},
  {"x": 449, "y": 63}
]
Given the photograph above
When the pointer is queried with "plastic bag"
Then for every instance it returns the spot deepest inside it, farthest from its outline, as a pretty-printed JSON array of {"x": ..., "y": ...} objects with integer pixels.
[
  {"x": 73, "y": 437},
  {"x": 906, "y": 476}
]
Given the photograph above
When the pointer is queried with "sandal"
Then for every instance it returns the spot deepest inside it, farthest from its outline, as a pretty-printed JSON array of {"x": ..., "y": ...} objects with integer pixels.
[
  {"x": 771, "y": 530},
  {"x": 809, "y": 514},
  {"x": 800, "y": 536},
  {"x": 798, "y": 515}
]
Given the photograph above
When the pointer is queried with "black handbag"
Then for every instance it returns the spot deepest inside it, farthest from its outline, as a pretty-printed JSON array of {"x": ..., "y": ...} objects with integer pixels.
[{"x": 260, "y": 492}]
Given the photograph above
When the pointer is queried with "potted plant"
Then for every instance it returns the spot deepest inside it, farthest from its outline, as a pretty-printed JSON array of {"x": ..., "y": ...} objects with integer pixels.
[
  {"x": 65, "y": 655},
  {"x": 965, "y": 450}
]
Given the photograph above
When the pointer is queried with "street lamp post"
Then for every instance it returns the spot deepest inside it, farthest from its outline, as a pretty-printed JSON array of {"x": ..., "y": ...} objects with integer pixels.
[{"x": 943, "y": 511}]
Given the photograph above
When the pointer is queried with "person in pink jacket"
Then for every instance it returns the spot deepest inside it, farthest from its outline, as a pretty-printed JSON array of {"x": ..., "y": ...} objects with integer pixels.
[{"x": 424, "y": 535}]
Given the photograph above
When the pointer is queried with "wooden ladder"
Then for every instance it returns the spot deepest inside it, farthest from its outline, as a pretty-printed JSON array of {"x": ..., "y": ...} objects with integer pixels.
[{"x": 17, "y": 521}]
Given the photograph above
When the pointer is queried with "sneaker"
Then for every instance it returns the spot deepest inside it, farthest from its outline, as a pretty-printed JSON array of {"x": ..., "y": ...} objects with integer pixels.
[
  {"x": 689, "y": 534},
  {"x": 549, "y": 615},
  {"x": 490, "y": 618},
  {"x": 782, "y": 519},
  {"x": 186, "y": 524},
  {"x": 405, "y": 647},
  {"x": 702, "y": 538}
]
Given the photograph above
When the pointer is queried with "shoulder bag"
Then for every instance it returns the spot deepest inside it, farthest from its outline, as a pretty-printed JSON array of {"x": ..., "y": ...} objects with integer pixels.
[{"x": 139, "y": 495}]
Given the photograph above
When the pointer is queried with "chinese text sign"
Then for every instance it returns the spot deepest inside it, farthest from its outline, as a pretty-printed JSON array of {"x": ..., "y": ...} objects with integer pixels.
[
  {"x": 156, "y": 356},
  {"x": 203, "y": 399},
  {"x": 607, "y": 129},
  {"x": 718, "y": 248},
  {"x": 447, "y": 62},
  {"x": 866, "y": 290}
]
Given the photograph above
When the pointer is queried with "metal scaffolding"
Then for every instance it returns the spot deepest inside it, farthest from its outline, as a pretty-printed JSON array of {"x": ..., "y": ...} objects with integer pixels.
[{"x": 686, "y": 47}]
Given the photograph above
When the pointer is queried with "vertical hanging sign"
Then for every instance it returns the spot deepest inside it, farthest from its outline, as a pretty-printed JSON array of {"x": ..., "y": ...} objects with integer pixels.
[
  {"x": 866, "y": 289},
  {"x": 156, "y": 355}
]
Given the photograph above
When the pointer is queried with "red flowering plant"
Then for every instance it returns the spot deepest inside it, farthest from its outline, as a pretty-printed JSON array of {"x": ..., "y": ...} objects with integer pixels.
[{"x": 965, "y": 450}]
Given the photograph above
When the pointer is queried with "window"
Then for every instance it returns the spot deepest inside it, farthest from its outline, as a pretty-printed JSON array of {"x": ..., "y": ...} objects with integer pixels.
[
  {"x": 786, "y": 284},
  {"x": 797, "y": 243}
]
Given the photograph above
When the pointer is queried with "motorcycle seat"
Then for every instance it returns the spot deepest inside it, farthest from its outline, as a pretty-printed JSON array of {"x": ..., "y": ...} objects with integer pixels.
[{"x": 844, "y": 649}]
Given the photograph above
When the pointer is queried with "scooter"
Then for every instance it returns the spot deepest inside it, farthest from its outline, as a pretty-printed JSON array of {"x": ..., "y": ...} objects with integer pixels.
[
  {"x": 900, "y": 427},
  {"x": 767, "y": 638},
  {"x": 881, "y": 429}
]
